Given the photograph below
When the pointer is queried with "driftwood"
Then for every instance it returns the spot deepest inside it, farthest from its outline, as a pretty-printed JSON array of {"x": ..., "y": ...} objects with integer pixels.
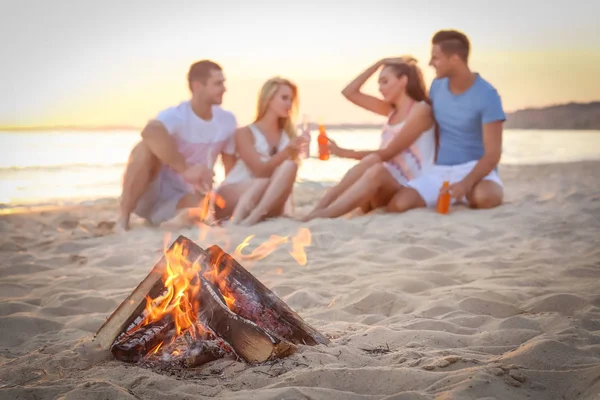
[
  {"x": 257, "y": 325},
  {"x": 247, "y": 339}
]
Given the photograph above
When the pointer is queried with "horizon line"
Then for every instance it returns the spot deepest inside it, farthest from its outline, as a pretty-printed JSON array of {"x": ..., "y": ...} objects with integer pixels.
[{"x": 117, "y": 127}]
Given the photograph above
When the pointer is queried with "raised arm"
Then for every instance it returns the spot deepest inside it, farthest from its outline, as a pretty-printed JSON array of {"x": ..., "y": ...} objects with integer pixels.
[
  {"x": 418, "y": 121},
  {"x": 352, "y": 92},
  {"x": 163, "y": 146},
  {"x": 244, "y": 142}
]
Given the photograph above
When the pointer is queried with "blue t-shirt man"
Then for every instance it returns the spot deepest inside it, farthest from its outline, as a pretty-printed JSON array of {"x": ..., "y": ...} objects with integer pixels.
[{"x": 461, "y": 118}]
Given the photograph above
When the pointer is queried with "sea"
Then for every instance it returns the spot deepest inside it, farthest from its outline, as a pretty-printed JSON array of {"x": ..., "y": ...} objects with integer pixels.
[{"x": 42, "y": 168}]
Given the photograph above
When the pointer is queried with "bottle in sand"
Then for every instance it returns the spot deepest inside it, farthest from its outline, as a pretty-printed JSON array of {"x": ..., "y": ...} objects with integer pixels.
[
  {"x": 323, "y": 143},
  {"x": 305, "y": 153},
  {"x": 443, "y": 203}
]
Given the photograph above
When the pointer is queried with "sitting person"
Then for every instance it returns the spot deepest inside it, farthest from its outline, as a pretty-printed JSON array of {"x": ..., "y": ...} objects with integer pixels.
[
  {"x": 261, "y": 182},
  {"x": 469, "y": 113},
  {"x": 407, "y": 147},
  {"x": 170, "y": 171}
]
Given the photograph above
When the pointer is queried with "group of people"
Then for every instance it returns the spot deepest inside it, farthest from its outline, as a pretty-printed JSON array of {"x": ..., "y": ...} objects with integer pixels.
[{"x": 453, "y": 133}]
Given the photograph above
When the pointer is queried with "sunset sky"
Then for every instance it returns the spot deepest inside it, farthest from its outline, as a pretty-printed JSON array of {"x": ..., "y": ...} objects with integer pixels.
[{"x": 105, "y": 62}]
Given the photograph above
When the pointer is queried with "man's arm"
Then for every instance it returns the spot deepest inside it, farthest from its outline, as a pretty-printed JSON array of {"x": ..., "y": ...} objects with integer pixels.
[
  {"x": 492, "y": 143},
  {"x": 229, "y": 161},
  {"x": 163, "y": 146},
  {"x": 492, "y": 118}
]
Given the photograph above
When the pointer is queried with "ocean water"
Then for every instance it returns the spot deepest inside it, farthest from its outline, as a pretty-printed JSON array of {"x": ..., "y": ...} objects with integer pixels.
[{"x": 54, "y": 167}]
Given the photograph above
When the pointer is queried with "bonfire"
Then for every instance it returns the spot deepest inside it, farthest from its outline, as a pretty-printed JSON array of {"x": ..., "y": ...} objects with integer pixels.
[{"x": 199, "y": 305}]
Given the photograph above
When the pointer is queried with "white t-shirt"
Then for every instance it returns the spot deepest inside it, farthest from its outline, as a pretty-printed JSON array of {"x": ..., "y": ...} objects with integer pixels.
[{"x": 200, "y": 141}]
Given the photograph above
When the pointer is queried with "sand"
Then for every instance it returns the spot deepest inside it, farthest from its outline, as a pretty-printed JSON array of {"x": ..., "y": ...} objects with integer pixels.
[{"x": 495, "y": 304}]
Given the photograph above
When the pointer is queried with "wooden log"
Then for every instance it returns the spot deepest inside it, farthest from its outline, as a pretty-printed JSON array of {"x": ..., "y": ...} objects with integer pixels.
[
  {"x": 134, "y": 346},
  {"x": 131, "y": 310},
  {"x": 255, "y": 302},
  {"x": 182, "y": 356},
  {"x": 247, "y": 339},
  {"x": 201, "y": 353}
]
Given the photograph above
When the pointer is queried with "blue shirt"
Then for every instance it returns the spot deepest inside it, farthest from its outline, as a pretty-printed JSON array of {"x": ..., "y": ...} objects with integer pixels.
[{"x": 461, "y": 118}]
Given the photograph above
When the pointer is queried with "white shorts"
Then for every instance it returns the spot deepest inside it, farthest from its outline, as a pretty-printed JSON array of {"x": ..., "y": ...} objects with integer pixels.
[
  {"x": 396, "y": 173},
  {"x": 428, "y": 185}
]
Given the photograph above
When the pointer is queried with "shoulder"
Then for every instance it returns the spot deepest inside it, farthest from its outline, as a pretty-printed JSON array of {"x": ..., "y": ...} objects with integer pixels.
[
  {"x": 243, "y": 132},
  {"x": 177, "y": 111},
  {"x": 438, "y": 83},
  {"x": 420, "y": 109},
  {"x": 485, "y": 88},
  {"x": 223, "y": 115},
  {"x": 172, "y": 118}
]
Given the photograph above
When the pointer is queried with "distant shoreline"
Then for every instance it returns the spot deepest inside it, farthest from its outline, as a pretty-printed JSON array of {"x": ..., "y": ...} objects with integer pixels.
[{"x": 569, "y": 116}]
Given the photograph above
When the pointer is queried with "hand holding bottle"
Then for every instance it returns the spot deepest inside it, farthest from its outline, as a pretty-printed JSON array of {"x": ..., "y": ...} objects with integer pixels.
[
  {"x": 333, "y": 147},
  {"x": 296, "y": 145}
]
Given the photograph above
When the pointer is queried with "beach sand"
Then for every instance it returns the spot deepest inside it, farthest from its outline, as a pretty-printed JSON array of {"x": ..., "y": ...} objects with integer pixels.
[{"x": 491, "y": 304}]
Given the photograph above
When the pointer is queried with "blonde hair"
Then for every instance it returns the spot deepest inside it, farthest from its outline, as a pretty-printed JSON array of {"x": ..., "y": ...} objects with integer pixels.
[{"x": 287, "y": 124}]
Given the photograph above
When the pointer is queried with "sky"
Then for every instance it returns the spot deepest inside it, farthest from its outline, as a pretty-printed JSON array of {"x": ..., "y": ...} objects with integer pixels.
[{"x": 82, "y": 62}]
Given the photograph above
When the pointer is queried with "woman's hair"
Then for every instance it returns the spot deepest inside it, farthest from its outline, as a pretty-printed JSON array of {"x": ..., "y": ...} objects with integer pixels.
[
  {"x": 288, "y": 124},
  {"x": 415, "y": 86}
]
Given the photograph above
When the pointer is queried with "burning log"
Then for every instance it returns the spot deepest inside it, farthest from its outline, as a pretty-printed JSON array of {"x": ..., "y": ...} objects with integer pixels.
[
  {"x": 130, "y": 313},
  {"x": 247, "y": 339},
  {"x": 193, "y": 288},
  {"x": 134, "y": 346},
  {"x": 203, "y": 352},
  {"x": 199, "y": 353},
  {"x": 255, "y": 302}
]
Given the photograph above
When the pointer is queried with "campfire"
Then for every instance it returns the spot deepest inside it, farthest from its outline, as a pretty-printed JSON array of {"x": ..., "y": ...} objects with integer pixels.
[{"x": 199, "y": 305}]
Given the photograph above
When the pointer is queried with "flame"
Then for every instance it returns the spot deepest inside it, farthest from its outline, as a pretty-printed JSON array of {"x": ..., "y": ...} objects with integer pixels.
[
  {"x": 263, "y": 250},
  {"x": 181, "y": 284},
  {"x": 302, "y": 239}
]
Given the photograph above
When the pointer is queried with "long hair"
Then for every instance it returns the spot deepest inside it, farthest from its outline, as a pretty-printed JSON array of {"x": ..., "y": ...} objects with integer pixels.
[
  {"x": 268, "y": 90},
  {"x": 415, "y": 87}
]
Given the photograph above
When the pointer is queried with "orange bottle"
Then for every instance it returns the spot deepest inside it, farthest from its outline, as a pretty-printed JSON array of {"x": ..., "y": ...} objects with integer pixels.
[
  {"x": 443, "y": 203},
  {"x": 323, "y": 143}
]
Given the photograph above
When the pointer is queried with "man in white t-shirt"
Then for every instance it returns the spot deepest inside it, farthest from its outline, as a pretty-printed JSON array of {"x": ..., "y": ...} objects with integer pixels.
[{"x": 172, "y": 167}]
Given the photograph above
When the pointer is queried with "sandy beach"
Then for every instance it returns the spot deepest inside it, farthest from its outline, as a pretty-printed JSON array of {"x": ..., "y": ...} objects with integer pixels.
[{"x": 495, "y": 304}]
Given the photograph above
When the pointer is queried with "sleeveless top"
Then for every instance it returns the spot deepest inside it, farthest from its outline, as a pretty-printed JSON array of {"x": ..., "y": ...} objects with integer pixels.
[
  {"x": 416, "y": 159},
  {"x": 240, "y": 171}
]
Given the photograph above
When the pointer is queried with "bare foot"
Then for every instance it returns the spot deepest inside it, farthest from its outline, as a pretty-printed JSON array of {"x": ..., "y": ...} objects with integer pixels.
[
  {"x": 314, "y": 215},
  {"x": 123, "y": 223},
  {"x": 183, "y": 219}
]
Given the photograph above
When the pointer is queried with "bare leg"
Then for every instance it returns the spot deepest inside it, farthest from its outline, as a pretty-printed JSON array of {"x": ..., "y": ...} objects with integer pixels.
[
  {"x": 249, "y": 199},
  {"x": 486, "y": 194},
  {"x": 232, "y": 195},
  {"x": 142, "y": 168},
  {"x": 405, "y": 199},
  {"x": 193, "y": 208},
  {"x": 375, "y": 181},
  {"x": 351, "y": 176},
  {"x": 276, "y": 194}
]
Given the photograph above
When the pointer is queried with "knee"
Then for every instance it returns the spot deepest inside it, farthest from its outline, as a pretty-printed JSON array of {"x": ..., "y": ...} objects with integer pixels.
[
  {"x": 261, "y": 181},
  {"x": 289, "y": 166},
  {"x": 375, "y": 172},
  {"x": 141, "y": 154},
  {"x": 404, "y": 200},
  {"x": 371, "y": 159},
  {"x": 486, "y": 195}
]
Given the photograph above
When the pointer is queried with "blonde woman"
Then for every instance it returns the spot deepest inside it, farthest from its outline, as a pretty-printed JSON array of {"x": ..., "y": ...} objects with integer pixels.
[{"x": 261, "y": 182}]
